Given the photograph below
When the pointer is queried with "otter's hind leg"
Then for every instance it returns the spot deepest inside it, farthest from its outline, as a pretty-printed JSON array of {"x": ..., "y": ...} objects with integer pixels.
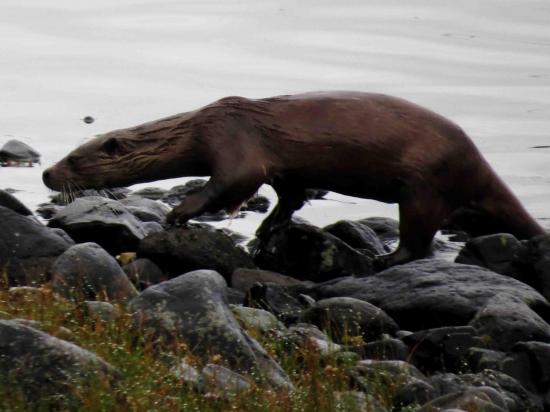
[{"x": 419, "y": 220}]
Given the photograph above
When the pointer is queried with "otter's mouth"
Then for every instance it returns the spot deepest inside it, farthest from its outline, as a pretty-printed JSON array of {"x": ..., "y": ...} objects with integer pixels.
[{"x": 56, "y": 179}]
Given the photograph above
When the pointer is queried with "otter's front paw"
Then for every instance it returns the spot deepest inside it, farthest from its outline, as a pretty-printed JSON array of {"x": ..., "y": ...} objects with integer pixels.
[{"x": 174, "y": 218}]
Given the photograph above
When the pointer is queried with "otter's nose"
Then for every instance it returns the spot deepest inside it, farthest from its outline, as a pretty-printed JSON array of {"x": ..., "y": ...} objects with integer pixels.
[{"x": 46, "y": 177}]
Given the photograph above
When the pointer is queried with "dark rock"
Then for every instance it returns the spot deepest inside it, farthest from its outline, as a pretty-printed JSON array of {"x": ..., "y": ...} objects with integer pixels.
[
  {"x": 256, "y": 203},
  {"x": 101, "y": 311},
  {"x": 484, "y": 399},
  {"x": 102, "y": 221},
  {"x": 143, "y": 273},
  {"x": 47, "y": 210},
  {"x": 358, "y": 236},
  {"x": 50, "y": 372},
  {"x": 87, "y": 272},
  {"x": 527, "y": 261},
  {"x": 175, "y": 195},
  {"x": 442, "y": 348},
  {"x": 432, "y": 293},
  {"x": 480, "y": 359},
  {"x": 529, "y": 363},
  {"x": 312, "y": 194},
  {"x": 344, "y": 317},
  {"x": 308, "y": 253},
  {"x": 235, "y": 237},
  {"x": 63, "y": 235},
  {"x": 386, "y": 228},
  {"x": 499, "y": 253},
  {"x": 27, "y": 248},
  {"x": 153, "y": 193},
  {"x": 11, "y": 202},
  {"x": 385, "y": 349},
  {"x": 538, "y": 255},
  {"x": 305, "y": 337},
  {"x": 254, "y": 319},
  {"x": 235, "y": 297},
  {"x": 193, "y": 308},
  {"x": 368, "y": 375},
  {"x": 357, "y": 401},
  {"x": 223, "y": 382},
  {"x": 60, "y": 332},
  {"x": 243, "y": 279},
  {"x": 517, "y": 399},
  {"x": 217, "y": 216},
  {"x": 188, "y": 374},
  {"x": 16, "y": 150},
  {"x": 505, "y": 320},
  {"x": 182, "y": 250},
  {"x": 414, "y": 392},
  {"x": 146, "y": 210},
  {"x": 275, "y": 299},
  {"x": 64, "y": 198}
]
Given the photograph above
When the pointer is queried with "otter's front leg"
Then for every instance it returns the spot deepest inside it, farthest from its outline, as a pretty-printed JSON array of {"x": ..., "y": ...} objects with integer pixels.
[
  {"x": 190, "y": 207},
  {"x": 218, "y": 194}
]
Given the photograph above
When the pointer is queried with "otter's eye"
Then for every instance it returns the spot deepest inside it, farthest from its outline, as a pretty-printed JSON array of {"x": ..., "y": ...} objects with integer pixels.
[{"x": 112, "y": 146}]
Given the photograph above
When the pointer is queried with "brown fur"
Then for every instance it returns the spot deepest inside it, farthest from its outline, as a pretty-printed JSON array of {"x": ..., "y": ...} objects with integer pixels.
[{"x": 359, "y": 144}]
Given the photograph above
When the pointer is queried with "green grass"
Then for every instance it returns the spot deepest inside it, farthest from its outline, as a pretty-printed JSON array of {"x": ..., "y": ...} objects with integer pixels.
[{"x": 147, "y": 383}]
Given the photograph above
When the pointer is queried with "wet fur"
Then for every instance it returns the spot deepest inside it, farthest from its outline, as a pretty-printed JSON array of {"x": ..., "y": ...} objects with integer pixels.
[{"x": 359, "y": 144}]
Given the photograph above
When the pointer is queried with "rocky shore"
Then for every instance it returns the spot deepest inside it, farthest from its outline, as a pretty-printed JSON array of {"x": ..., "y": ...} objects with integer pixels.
[{"x": 435, "y": 335}]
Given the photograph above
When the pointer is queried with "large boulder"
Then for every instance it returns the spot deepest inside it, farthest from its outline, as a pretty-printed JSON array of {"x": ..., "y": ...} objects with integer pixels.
[
  {"x": 11, "y": 202},
  {"x": 153, "y": 193},
  {"x": 18, "y": 151},
  {"x": 103, "y": 221},
  {"x": 309, "y": 253},
  {"x": 538, "y": 256},
  {"x": 143, "y": 273},
  {"x": 505, "y": 320},
  {"x": 442, "y": 348},
  {"x": 243, "y": 279},
  {"x": 482, "y": 398},
  {"x": 146, "y": 210},
  {"x": 527, "y": 261},
  {"x": 51, "y": 373},
  {"x": 347, "y": 317},
  {"x": 182, "y": 250},
  {"x": 386, "y": 228},
  {"x": 432, "y": 293},
  {"x": 193, "y": 309},
  {"x": 498, "y": 252},
  {"x": 358, "y": 236},
  {"x": 276, "y": 299},
  {"x": 27, "y": 248},
  {"x": 87, "y": 272},
  {"x": 516, "y": 398},
  {"x": 65, "y": 197},
  {"x": 529, "y": 363}
]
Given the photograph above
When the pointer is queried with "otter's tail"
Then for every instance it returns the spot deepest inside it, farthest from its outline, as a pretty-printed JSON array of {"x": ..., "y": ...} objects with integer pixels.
[{"x": 503, "y": 206}]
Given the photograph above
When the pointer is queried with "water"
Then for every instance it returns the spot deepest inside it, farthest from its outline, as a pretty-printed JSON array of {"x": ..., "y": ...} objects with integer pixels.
[{"x": 485, "y": 65}]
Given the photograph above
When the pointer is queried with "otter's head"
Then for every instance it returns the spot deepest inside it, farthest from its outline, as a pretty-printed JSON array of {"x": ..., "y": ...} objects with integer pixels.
[{"x": 152, "y": 151}]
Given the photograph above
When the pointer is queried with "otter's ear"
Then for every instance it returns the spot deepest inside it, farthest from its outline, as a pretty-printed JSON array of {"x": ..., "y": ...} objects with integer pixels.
[{"x": 112, "y": 146}]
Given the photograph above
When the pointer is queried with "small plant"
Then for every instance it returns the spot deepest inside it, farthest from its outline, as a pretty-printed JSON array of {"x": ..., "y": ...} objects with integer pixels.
[{"x": 147, "y": 381}]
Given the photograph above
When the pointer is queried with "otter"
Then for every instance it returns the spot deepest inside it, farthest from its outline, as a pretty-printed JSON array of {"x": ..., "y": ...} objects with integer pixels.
[{"x": 359, "y": 144}]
